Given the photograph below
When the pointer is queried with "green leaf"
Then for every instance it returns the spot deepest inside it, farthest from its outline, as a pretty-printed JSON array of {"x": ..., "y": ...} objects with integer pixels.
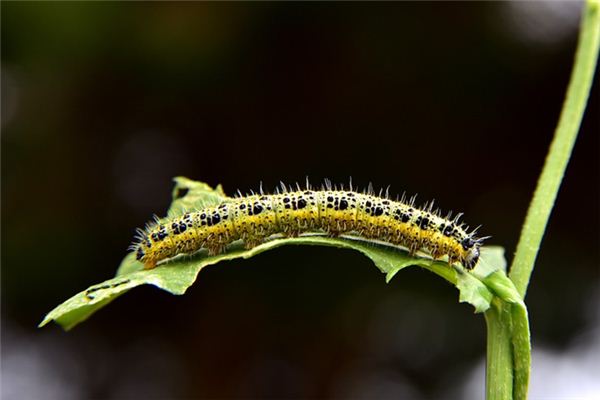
[
  {"x": 473, "y": 291},
  {"x": 503, "y": 287},
  {"x": 189, "y": 195},
  {"x": 177, "y": 275}
]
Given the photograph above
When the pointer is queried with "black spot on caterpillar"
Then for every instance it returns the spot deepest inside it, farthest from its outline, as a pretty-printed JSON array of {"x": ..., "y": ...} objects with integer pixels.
[{"x": 328, "y": 210}]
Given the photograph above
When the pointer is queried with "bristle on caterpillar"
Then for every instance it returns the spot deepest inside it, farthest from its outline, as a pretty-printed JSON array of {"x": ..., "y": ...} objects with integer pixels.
[{"x": 295, "y": 211}]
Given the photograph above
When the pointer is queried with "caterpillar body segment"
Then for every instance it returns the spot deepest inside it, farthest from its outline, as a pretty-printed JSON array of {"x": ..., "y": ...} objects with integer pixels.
[{"x": 255, "y": 218}]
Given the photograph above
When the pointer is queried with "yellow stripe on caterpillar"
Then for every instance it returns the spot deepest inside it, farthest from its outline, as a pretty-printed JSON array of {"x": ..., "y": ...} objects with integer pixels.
[{"x": 254, "y": 218}]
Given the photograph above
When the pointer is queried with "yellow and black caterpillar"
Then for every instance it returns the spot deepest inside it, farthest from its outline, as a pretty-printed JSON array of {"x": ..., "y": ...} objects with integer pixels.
[{"x": 293, "y": 212}]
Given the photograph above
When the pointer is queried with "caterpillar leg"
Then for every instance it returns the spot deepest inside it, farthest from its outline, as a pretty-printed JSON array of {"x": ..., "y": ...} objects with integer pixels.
[
  {"x": 436, "y": 254},
  {"x": 251, "y": 243},
  {"x": 150, "y": 264},
  {"x": 413, "y": 247},
  {"x": 215, "y": 250},
  {"x": 452, "y": 260}
]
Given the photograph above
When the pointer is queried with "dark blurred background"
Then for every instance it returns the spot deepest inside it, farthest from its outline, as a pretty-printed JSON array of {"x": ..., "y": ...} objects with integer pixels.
[{"x": 103, "y": 103}]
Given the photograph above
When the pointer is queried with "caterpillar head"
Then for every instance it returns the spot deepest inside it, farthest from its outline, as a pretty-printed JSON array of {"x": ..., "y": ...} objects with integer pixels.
[
  {"x": 472, "y": 257},
  {"x": 471, "y": 246}
]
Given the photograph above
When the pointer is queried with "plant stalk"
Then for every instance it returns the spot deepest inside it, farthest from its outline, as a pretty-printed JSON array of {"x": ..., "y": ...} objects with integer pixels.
[
  {"x": 557, "y": 159},
  {"x": 499, "y": 368},
  {"x": 508, "y": 343}
]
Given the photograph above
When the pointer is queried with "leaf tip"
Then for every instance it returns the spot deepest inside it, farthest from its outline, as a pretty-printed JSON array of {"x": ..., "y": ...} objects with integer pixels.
[
  {"x": 391, "y": 274},
  {"x": 44, "y": 322}
]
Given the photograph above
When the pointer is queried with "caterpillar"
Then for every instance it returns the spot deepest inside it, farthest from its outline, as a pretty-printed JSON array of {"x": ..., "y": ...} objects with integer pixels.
[{"x": 292, "y": 212}]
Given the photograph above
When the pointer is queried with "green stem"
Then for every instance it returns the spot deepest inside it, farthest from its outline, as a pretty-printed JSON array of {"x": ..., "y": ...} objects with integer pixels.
[
  {"x": 560, "y": 149},
  {"x": 521, "y": 345},
  {"x": 499, "y": 367},
  {"x": 509, "y": 344},
  {"x": 509, "y": 349},
  {"x": 508, "y": 327}
]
